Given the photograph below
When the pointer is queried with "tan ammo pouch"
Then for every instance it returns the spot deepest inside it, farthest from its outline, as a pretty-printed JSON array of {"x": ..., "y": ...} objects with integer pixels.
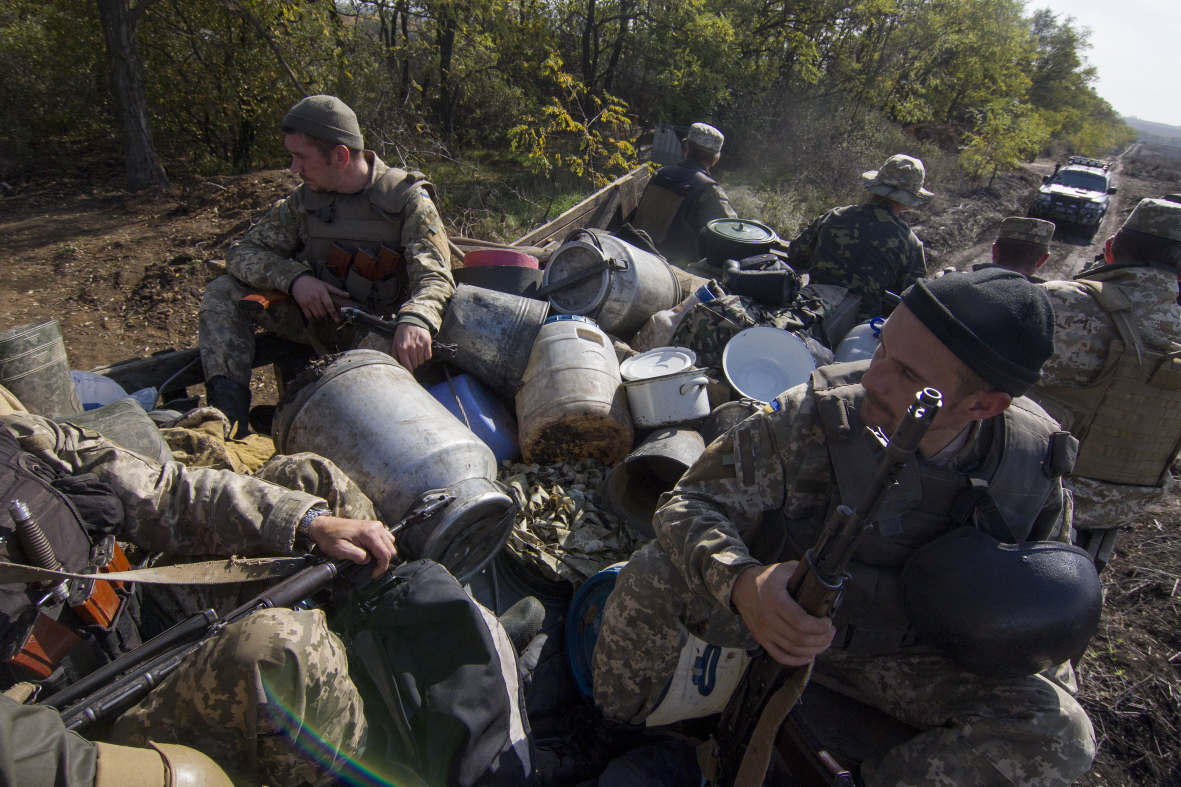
[
  {"x": 656, "y": 211},
  {"x": 1128, "y": 422}
]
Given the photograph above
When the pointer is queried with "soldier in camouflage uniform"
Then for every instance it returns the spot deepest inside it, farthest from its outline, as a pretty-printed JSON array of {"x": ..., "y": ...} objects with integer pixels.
[
  {"x": 681, "y": 199},
  {"x": 868, "y": 248},
  {"x": 1112, "y": 316},
  {"x": 348, "y": 196},
  {"x": 730, "y": 532},
  {"x": 270, "y": 696},
  {"x": 1022, "y": 245}
]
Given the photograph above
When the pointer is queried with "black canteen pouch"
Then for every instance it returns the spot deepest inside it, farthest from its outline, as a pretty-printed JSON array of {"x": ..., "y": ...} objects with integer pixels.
[{"x": 1002, "y": 610}]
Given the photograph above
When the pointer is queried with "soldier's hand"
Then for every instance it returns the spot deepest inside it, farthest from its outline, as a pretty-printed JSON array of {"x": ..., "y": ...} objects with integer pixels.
[
  {"x": 358, "y": 540},
  {"x": 412, "y": 345},
  {"x": 789, "y": 634},
  {"x": 315, "y": 298}
]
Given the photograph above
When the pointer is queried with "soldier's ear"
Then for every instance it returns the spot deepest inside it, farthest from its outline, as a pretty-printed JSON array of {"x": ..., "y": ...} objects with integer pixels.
[
  {"x": 986, "y": 404},
  {"x": 1107, "y": 250}
]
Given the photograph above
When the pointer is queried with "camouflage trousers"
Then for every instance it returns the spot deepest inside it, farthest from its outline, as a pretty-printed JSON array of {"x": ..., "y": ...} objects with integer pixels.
[
  {"x": 226, "y": 333},
  {"x": 977, "y": 731},
  {"x": 269, "y": 698}
]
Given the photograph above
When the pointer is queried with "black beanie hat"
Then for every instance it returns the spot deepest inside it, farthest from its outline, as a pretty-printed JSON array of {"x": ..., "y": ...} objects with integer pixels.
[{"x": 995, "y": 321}]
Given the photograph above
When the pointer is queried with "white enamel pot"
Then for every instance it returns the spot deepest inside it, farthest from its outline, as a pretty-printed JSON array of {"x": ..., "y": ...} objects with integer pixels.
[{"x": 671, "y": 399}]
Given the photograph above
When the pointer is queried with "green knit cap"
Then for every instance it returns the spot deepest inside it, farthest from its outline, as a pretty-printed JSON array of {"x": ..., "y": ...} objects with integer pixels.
[{"x": 327, "y": 118}]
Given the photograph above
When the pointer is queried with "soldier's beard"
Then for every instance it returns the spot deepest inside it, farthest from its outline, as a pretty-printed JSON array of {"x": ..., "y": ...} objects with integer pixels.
[{"x": 876, "y": 413}]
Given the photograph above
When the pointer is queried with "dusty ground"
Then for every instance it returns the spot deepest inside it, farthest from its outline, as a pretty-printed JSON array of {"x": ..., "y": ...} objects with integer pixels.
[{"x": 124, "y": 276}]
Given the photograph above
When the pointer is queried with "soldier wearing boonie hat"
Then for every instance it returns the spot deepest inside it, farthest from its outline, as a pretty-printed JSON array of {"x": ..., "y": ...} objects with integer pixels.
[
  {"x": 868, "y": 248},
  {"x": 349, "y": 206},
  {"x": 682, "y": 198},
  {"x": 1112, "y": 377}
]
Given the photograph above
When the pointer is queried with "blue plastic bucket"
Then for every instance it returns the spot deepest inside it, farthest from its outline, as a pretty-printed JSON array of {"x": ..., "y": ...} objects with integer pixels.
[
  {"x": 583, "y": 622},
  {"x": 464, "y": 395}
]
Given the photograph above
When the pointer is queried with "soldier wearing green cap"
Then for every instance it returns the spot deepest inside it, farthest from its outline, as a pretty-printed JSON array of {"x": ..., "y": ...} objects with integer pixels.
[
  {"x": 350, "y": 201},
  {"x": 868, "y": 248},
  {"x": 1115, "y": 377},
  {"x": 681, "y": 199}
]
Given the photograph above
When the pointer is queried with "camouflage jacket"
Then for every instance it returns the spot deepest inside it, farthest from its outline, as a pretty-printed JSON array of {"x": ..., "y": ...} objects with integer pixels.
[
  {"x": 786, "y": 467},
  {"x": 1082, "y": 337},
  {"x": 266, "y": 257},
  {"x": 172, "y": 508},
  {"x": 863, "y": 247}
]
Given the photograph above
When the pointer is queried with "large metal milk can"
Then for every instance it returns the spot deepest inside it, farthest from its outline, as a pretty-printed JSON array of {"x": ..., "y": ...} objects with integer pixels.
[
  {"x": 614, "y": 283},
  {"x": 403, "y": 449}
]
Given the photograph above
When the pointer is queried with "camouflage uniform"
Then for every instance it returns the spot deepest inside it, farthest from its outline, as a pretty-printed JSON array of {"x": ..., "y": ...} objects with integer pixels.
[
  {"x": 863, "y": 247},
  {"x": 267, "y": 257},
  {"x": 1082, "y": 336},
  {"x": 275, "y": 677},
  {"x": 977, "y": 730}
]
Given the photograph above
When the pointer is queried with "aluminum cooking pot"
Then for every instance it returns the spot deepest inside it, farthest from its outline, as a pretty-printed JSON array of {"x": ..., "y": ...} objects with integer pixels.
[{"x": 735, "y": 239}]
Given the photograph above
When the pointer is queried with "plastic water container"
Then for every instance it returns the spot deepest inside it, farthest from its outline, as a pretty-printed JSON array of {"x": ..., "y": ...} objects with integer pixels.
[
  {"x": 474, "y": 404},
  {"x": 658, "y": 331},
  {"x": 95, "y": 390},
  {"x": 861, "y": 342},
  {"x": 572, "y": 403}
]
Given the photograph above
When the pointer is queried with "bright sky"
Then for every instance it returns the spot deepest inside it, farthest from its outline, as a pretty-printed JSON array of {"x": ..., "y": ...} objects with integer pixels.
[{"x": 1134, "y": 47}]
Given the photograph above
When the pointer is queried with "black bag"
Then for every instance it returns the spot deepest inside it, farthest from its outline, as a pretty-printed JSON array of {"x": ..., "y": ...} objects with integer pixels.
[{"x": 440, "y": 681}]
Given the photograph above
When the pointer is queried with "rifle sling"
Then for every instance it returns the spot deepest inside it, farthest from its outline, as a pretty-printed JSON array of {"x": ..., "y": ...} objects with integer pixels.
[
  {"x": 757, "y": 756},
  {"x": 215, "y": 572}
]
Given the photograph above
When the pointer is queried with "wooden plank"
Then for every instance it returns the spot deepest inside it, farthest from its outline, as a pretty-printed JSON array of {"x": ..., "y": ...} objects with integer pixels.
[{"x": 632, "y": 184}]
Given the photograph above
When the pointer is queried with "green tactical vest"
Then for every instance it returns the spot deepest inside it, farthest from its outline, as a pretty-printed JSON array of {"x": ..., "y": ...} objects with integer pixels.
[
  {"x": 1003, "y": 496},
  {"x": 1128, "y": 421},
  {"x": 370, "y": 219}
]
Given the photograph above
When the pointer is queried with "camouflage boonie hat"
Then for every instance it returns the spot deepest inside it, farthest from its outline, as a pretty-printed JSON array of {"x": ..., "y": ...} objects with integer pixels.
[
  {"x": 327, "y": 118},
  {"x": 706, "y": 136},
  {"x": 1031, "y": 230},
  {"x": 900, "y": 179},
  {"x": 1158, "y": 217}
]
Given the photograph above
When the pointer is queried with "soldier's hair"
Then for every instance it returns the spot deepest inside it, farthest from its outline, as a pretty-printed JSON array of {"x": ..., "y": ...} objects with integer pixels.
[
  {"x": 971, "y": 383},
  {"x": 1135, "y": 246},
  {"x": 704, "y": 155},
  {"x": 323, "y": 145},
  {"x": 1020, "y": 255}
]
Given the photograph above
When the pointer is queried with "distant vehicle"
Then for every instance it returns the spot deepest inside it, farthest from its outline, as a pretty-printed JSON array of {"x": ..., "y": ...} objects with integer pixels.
[{"x": 1077, "y": 193}]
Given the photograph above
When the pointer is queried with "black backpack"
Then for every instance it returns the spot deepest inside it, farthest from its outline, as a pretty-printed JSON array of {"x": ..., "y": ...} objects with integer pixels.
[{"x": 439, "y": 677}]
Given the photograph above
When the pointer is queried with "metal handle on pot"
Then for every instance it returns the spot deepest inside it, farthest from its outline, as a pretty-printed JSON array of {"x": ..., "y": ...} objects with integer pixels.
[
  {"x": 613, "y": 265},
  {"x": 699, "y": 382}
]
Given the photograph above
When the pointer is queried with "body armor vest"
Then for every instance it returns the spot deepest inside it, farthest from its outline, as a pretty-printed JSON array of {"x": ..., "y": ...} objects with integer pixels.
[
  {"x": 663, "y": 208},
  {"x": 75, "y": 513},
  {"x": 370, "y": 219},
  {"x": 1128, "y": 421},
  {"x": 1002, "y": 496}
]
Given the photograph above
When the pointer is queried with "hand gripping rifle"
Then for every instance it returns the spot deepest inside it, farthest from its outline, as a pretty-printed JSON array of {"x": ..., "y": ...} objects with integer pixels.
[
  {"x": 751, "y": 718},
  {"x": 116, "y": 686}
]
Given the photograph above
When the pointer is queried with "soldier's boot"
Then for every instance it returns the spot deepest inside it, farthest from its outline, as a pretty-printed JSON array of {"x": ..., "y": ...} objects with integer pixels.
[
  {"x": 159, "y": 765},
  {"x": 233, "y": 399},
  {"x": 522, "y": 622}
]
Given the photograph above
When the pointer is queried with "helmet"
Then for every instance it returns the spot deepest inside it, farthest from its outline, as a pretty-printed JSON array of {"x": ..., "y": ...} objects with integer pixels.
[{"x": 1002, "y": 610}]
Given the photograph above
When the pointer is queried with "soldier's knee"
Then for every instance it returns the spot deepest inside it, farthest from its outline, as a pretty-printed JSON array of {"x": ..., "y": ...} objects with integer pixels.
[
  {"x": 1075, "y": 738},
  {"x": 222, "y": 295}
]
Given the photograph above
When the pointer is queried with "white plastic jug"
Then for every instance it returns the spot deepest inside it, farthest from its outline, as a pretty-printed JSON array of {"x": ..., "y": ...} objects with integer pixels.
[{"x": 861, "y": 342}]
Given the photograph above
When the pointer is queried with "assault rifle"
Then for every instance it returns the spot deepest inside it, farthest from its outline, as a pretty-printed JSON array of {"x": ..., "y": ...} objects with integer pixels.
[
  {"x": 816, "y": 586},
  {"x": 118, "y": 685}
]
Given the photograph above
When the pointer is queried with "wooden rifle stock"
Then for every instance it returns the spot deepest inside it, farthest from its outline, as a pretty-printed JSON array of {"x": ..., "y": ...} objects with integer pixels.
[{"x": 817, "y": 583}]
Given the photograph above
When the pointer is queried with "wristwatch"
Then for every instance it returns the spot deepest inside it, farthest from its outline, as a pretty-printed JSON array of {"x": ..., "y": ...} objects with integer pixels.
[{"x": 303, "y": 539}]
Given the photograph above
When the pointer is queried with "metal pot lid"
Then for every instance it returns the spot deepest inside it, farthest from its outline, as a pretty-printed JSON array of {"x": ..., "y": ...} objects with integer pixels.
[
  {"x": 659, "y": 362},
  {"x": 742, "y": 231}
]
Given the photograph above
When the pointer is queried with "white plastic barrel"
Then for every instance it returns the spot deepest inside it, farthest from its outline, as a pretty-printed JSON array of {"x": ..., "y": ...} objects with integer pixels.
[{"x": 572, "y": 403}]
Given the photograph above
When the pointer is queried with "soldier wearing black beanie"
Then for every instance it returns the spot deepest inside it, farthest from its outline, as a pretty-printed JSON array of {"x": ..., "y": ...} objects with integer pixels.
[{"x": 994, "y": 320}]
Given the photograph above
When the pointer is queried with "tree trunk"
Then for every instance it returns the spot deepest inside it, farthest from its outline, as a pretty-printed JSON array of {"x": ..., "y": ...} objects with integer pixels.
[
  {"x": 589, "y": 47},
  {"x": 120, "y": 22},
  {"x": 446, "y": 39}
]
